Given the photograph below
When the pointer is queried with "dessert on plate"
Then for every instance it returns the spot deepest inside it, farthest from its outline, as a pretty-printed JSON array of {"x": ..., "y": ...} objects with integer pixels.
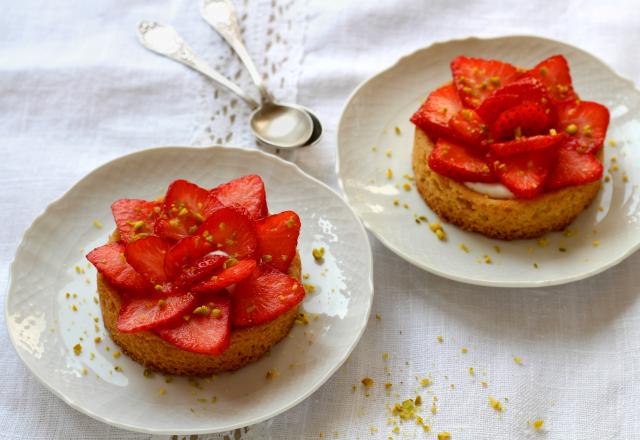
[
  {"x": 200, "y": 281},
  {"x": 508, "y": 152}
]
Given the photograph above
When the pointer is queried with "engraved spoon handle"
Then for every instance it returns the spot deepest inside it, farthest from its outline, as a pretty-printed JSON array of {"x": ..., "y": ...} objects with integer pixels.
[
  {"x": 221, "y": 15},
  {"x": 165, "y": 41}
]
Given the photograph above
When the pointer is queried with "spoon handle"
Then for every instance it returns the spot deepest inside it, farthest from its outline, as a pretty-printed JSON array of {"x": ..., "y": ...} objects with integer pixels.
[
  {"x": 165, "y": 41},
  {"x": 221, "y": 15}
]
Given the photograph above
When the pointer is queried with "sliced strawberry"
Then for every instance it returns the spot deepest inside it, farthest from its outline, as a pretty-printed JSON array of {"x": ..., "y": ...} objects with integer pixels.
[
  {"x": 574, "y": 168},
  {"x": 433, "y": 117},
  {"x": 146, "y": 256},
  {"x": 265, "y": 295},
  {"x": 182, "y": 210},
  {"x": 111, "y": 263},
  {"x": 278, "y": 239},
  {"x": 208, "y": 329},
  {"x": 476, "y": 78},
  {"x": 586, "y": 123},
  {"x": 247, "y": 191},
  {"x": 230, "y": 230},
  {"x": 525, "y": 119},
  {"x": 138, "y": 313},
  {"x": 230, "y": 275},
  {"x": 525, "y": 173},
  {"x": 512, "y": 94},
  {"x": 525, "y": 144},
  {"x": 201, "y": 269},
  {"x": 134, "y": 218},
  {"x": 469, "y": 127},
  {"x": 554, "y": 74},
  {"x": 460, "y": 163},
  {"x": 185, "y": 253}
]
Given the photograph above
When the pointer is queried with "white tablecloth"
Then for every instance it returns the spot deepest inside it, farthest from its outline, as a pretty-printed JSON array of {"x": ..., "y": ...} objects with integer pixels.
[{"x": 76, "y": 90}]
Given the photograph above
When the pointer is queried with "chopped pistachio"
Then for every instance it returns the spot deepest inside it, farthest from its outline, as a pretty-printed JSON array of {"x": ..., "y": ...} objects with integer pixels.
[
  {"x": 444, "y": 435},
  {"x": 495, "y": 404},
  {"x": 367, "y": 382},
  {"x": 97, "y": 224},
  {"x": 397, "y": 130},
  {"x": 77, "y": 349},
  {"x": 318, "y": 253},
  {"x": 571, "y": 129},
  {"x": 537, "y": 424}
]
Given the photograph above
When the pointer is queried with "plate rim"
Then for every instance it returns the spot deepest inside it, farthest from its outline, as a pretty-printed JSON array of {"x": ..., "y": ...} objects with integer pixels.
[
  {"x": 422, "y": 265},
  {"x": 368, "y": 260}
]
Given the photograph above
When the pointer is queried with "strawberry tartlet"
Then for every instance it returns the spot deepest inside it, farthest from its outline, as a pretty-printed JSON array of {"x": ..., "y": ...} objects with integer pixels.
[
  {"x": 200, "y": 281},
  {"x": 508, "y": 152}
]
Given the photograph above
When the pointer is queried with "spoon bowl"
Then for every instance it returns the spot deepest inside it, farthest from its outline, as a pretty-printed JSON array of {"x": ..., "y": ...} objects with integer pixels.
[{"x": 281, "y": 125}]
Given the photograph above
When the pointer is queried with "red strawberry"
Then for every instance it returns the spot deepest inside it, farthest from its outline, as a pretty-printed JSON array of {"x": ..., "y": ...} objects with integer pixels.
[
  {"x": 200, "y": 270},
  {"x": 207, "y": 331},
  {"x": 433, "y": 117},
  {"x": 138, "y": 313},
  {"x": 265, "y": 295},
  {"x": 574, "y": 168},
  {"x": 554, "y": 74},
  {"x": 586, "y": 123},
  {"x": 228, "y": 230},
  {"x": 182, "y": 210},
  {"x": 247, "y": 191},
  {"x": 525, "y": 119},
  {"x": 134, "y": 218},
  {"x": 278, "y": 239},
  {"x": 469, "y": 127},
  {"x": 512, "y": 94},
  {"x": 146, "y": 256},
  {"x": 458, "y": 162},
  {"x": 525, "y": 144},
  {"x": 230, "y": 275},
  {"x": 111, "y": 263},
  {"x": 525, "y": 173},
  {"x": 475, "y": 78}
]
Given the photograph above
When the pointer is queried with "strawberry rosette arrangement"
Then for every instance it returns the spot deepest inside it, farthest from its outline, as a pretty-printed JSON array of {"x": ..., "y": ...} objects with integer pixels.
[
  {"x": 524, "y": 128},
  {"x": 198, "y": 263}
]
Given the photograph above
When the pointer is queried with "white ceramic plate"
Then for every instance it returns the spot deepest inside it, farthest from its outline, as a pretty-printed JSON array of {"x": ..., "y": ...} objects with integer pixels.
[
  {"x": 601, "y": 237},
  {"x": 50, "y": 262}
]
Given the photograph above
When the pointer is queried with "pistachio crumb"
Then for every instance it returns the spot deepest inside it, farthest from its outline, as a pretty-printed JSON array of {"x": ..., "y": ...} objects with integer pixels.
[
  {"x": 484, "y": 384},
  {"x": 397, "y": 130},
  {"x": 464, "y": 350},
  {"x": 162, "y": 391},
  {"x": 389, "y": 173},
  {"x": 517, "y": 360},
  {"x": 464, "y": 247},
  {"x": 495, "y": 404},
  {"x": 148, "y": 373},
  {"x": 537, "y": 424},
  {"x": 318, "y": 253},
  {"x": 367, "y": 382},
  {"x": 116, "y": 354},
  {"x": 118, "y": 368},
  {"x": 406, "y": 186},
  {"x": 472, "y": 371},
  {"x": 396, "y": 202},
  {"x": 444, "y": 435},
  {"x": 271, "y": 374},
  {"x": 97, "y": 224},
  {"x": 571, "y": 129},
  {"x": 440, "y": 339},
  {"x": 77, "y": 349},
  {"x": 388, "y": 152},
  {"x": 612, "y": 142},
  {"x": 487, "y": 259},
  {"x": 595, "y": 243}
]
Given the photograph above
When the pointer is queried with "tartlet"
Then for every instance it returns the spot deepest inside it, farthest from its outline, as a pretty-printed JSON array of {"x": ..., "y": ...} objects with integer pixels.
[
  {"x": 524, "y": 132},
  {"x": 200, "y": 281}
]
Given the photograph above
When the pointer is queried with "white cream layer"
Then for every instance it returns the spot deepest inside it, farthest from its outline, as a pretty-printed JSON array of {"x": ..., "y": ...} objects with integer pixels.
[{"x": 493, "y": 190}]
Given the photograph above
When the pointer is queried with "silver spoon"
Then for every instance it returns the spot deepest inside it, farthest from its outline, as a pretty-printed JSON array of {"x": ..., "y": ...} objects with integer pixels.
[
  {"x": 221, "y": 16},
  {"x": 274, "y": 125}
]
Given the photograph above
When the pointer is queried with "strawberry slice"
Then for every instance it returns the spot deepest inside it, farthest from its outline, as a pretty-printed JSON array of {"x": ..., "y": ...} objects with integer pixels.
[
  {"x": 230, "y": 275},
  {"x": 200, "y": 270},
  {"x": 525, "y": 144},
  {"x": 278, "y": 239},
  {"x": 228, "y": 230},
  {"x": 525, "y": 119},
  {"x": 207, "y": 331},
  {"x": 134, "y": 218},
  {"x": 182, "y": 210},
  {"x": 247, "y": 191},
  {"x": 146, "y": 256},
  {"x": 476, "y": 78},
  {"x": 138, "y": 313},
  {"x": 574, "y": 168},
  {"x": 554, "y": 73},
  {"x": 110, "y": 261},
  {"x": 468, "y": 126},
  {"x": 460, "y": 163},
  {"x": 525, "y": 173},
  {"x": 512, "y": 94},
  {"x": 586, "y": 123},
  {"x": 433, "y": 116},
  {"x": 265, "y": 295}
]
